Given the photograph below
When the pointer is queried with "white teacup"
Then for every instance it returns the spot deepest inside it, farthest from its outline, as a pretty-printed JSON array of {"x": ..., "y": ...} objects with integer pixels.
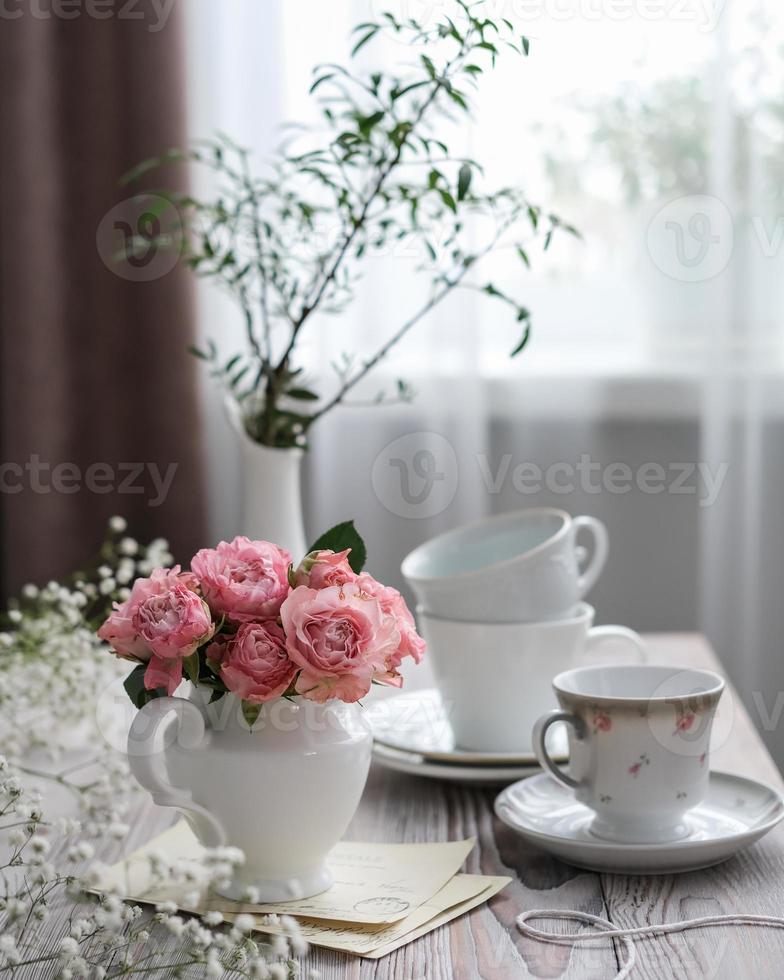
[
  {"x": 512, "y": 568},
  {"x": 639, "y": 738},
  {"x": 495, "y": 678}
]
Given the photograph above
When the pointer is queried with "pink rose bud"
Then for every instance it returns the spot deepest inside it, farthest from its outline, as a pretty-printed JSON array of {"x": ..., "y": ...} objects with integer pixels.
[
  {"x": 244, "y": 580},
  {"x": 255, "y": 664},
  {"x": 322, "y": 569}
]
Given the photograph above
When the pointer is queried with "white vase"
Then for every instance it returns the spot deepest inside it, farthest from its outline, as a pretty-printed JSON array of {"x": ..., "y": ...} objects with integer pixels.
[
  {"x": 271, "y": 494},
  {"x": 283, "y": 792},
  {"x": 272, "y": 497}
]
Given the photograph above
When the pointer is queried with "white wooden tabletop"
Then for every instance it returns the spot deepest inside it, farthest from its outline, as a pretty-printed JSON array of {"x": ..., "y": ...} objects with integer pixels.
[{"x": 486, "y": 944}]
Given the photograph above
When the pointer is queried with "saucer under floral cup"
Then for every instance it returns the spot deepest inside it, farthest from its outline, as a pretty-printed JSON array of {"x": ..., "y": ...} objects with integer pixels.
[{"x": 639, "y": 740}]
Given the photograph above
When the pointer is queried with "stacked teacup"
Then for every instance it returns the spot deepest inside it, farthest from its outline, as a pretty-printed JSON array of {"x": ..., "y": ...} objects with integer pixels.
[{"x": 500, "y": 606}]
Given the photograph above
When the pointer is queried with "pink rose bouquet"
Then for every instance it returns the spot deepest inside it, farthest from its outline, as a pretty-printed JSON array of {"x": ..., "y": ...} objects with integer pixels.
[{"x": 244, "y": 620}]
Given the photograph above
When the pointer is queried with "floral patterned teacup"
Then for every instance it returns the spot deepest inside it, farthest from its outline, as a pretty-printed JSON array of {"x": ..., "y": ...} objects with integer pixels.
[{"x": 639, "y": 739}]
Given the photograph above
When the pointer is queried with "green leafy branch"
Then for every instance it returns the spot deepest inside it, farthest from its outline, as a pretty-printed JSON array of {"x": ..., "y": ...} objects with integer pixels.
[{"x": 290, "y": 243}]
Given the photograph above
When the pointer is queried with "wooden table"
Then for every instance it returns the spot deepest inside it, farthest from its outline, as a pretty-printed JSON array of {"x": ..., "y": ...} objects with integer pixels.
[{"x": 486, "y": 944}]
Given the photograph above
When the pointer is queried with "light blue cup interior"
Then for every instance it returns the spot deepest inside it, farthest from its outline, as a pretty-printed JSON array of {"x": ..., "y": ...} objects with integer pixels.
[{"x": 479, "y": 546}]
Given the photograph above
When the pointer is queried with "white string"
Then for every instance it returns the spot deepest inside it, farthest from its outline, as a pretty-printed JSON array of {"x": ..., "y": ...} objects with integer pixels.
[{"x": 609, "y": 931}]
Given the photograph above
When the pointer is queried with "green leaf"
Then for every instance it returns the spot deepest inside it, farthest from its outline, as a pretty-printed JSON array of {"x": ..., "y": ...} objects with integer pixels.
[
  {"x": 198, "y": 353},
  {"x": 303, "y": 393},
  {"x": 250, "y": 712},
  {"x": 429, "y": 66},
  {"x": 525, "y": 45},
  {"x": 364, "y": 40},
  {"x": 457, "y": 97},
  {"x": 340, "y": 537},
  {"x": 463, "y": 181},
  {"x": 447, "y": 198},
  {"x": 319, "y": 81},
  {"x": 523, "y": 341},
  {"x": 523, "y": 256},
  {"x": 135, "y": 689},
  {"x": 191, "y": 665}
]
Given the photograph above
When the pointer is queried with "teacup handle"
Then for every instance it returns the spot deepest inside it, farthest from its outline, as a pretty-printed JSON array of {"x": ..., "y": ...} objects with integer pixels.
[
  {"x": 147, "y": 763},
  {"x": 598, "y": 634},
  {"x": 540, "y": 730},
  {"x": 601, "y": 546}
]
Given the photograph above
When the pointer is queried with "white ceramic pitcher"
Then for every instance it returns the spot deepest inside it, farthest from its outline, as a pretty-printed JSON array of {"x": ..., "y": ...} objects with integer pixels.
[{"x": 283, "y": 792}]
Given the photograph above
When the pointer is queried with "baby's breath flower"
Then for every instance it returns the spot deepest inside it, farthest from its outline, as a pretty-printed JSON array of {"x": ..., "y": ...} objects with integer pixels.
[
  {"x": 174, "y": 924},
  {"x": 128, "y": 546},
  {"x": 69, "y": 947},
  {"x": 244, "y": 922},
  {"x": 8, "y": 949}
]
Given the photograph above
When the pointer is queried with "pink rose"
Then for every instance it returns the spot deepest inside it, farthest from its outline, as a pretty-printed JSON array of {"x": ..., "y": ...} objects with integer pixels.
[
  {"x": 243, "y": 579},
  {"x": 340, "y": 638},
  {"x": 163, "y": 672},
  {"x": 255, "y": 665},
  {"x": 120, "y": 631},
  {"x": 393, "y": 604},
  {"x": 173, "y": 623},
  {"x": 322, "y": 569}
]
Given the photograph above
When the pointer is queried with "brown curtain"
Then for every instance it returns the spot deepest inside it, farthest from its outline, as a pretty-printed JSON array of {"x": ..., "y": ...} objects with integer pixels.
[{"x": 97, "y": 391}]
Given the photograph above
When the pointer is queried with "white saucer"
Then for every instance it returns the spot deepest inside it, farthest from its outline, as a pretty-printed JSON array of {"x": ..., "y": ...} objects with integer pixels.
[
  {"x": 418, "y": 765},
  {"x": 735, "y": 813},
  {"x": 417, "y": 721}
]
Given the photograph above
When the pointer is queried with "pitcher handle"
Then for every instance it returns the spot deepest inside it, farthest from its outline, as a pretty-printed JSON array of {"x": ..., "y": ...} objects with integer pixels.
[
  {"x": 147, "y": 763},
  {"x": 601, "y": 545}
]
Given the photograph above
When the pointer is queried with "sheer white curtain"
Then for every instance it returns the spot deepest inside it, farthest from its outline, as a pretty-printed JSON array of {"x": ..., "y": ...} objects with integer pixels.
[{"x": 657, "y": 348}]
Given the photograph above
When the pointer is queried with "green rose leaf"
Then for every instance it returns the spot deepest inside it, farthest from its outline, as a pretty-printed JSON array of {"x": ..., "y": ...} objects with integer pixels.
[
  {"x": 135, "y": 689},
  {"x": 250, "y": 712},
  {"x": 340, "y": 537},
  {"x": 191, "y": 665}
]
